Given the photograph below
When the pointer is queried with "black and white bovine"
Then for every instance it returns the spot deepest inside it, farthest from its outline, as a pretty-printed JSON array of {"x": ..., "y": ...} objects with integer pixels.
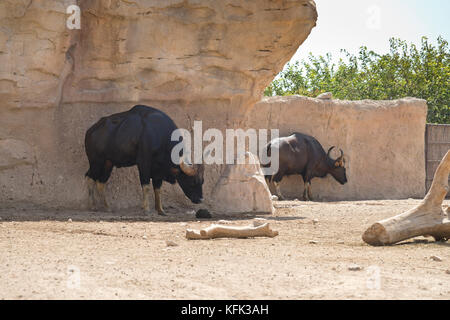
[
  {"x": 304, "y": 155},
  {"x": 142, "y": 137}
]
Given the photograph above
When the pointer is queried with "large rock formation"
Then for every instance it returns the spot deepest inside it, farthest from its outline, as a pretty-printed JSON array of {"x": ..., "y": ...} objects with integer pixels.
[
  {"x": 195, "y": 59},
  {"x": 190, "y": 52}
]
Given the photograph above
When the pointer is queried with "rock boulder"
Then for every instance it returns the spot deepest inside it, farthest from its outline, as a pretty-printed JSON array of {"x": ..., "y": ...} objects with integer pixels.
[{"x": 242, "y": 188}]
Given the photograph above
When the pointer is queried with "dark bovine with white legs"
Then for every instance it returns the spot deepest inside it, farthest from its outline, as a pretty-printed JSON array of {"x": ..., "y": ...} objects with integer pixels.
[
  {"x": 300, "y": 154},
  {"x": 142, "y": 137}
]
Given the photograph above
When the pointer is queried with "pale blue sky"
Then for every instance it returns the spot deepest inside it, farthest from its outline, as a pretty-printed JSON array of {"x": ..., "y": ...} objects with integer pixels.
[{"x": 349, "y": 24}]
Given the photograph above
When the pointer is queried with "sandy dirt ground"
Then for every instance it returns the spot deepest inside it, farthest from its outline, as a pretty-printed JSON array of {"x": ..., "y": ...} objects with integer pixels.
[{"x": 124, "y": 255}]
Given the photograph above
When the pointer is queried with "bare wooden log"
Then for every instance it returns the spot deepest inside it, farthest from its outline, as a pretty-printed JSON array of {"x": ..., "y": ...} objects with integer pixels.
[
  {"x": 221, "y": 231},
  {"x": 427, "y": 219}
]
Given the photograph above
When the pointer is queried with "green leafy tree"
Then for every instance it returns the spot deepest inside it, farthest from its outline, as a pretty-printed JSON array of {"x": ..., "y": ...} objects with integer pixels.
[{"x": 405, "y": 71}]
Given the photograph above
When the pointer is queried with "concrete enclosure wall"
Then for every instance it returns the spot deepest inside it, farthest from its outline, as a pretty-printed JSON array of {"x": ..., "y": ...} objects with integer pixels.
[{"x": 383, "y": 142}]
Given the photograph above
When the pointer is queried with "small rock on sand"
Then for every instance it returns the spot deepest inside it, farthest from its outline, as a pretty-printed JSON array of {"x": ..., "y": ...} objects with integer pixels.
[
  {"x": 354, "y": 267},
  {"x": 203, "y": 214},
  {"x": 171, "y": 243},
  {"x": 436, "y": 258},
  {"x": 313, "y": 241}
]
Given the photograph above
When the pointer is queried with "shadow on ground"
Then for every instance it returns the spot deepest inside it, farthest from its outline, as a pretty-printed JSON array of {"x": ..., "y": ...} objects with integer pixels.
[{"x": 128, "y": 215}]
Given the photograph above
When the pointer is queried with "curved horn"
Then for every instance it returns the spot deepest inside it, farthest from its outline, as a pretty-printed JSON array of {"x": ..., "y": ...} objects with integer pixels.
[
  {"x": 341, "y": 159},
  {"x": 187, "y": 168},
  {"x": 329, "y": 150}
]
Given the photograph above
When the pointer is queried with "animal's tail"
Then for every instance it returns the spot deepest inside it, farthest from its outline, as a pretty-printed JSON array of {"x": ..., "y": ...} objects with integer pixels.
[{"x": 269, "y": 149}]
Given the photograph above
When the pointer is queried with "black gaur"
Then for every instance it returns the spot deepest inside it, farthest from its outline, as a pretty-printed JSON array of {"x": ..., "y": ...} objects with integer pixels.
[
  {"x": 142, "y": 137},
  {"x": 302, "y": 154}
]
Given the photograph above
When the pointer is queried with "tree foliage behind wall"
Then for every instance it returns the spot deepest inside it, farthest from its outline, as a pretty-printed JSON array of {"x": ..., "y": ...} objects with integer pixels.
[{"x": 406, "y": 71}]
